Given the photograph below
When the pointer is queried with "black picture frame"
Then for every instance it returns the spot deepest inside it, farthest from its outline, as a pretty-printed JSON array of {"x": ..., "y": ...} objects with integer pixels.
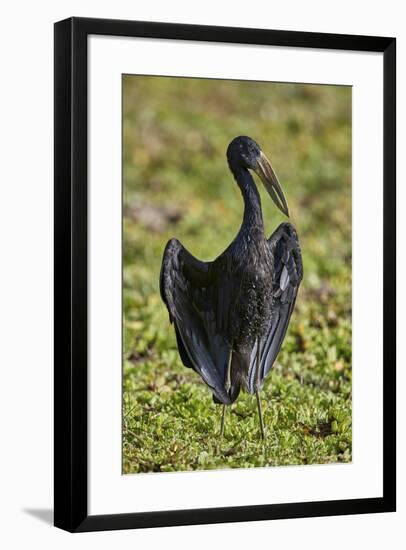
[{"x": 70, "y": 225}]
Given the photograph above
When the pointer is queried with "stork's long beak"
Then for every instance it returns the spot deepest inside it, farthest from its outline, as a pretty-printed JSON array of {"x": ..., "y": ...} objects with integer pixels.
[{"x": 265, "y": 171}]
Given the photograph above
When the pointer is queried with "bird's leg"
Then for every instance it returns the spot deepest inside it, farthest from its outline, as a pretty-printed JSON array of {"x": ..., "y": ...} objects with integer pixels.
[
  {"x": 223, "y": 415},
  {"x": 227, "y": 387},
  {"x": 261, "y": 421},
  {"x": 228, "y": 373}
]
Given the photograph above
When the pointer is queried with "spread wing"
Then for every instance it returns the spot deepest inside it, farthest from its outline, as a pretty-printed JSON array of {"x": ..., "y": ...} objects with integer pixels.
[
  {"x": 198, "y": 304},
  {"x": 287, "y": 275}
]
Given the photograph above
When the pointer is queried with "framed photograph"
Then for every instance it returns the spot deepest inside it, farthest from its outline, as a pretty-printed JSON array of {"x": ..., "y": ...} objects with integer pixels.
[{"x": 224, "y": 274}]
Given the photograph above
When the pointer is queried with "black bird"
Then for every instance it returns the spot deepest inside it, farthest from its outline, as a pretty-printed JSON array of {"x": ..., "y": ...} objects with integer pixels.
[{"x": 231, "y": 315}]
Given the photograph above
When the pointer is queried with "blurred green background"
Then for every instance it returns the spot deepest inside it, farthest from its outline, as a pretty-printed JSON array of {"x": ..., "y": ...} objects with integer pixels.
[{"x": 177, "y": 184}]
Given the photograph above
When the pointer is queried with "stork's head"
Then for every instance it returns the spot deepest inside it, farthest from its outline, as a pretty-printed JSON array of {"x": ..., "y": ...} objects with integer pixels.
[{"x": 244, "y": 152}]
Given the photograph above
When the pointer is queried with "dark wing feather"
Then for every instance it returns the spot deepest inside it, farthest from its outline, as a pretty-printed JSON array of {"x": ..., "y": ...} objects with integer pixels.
[
  {"x": 196, "y": 300},
  {"x": 287, "y": 276}
]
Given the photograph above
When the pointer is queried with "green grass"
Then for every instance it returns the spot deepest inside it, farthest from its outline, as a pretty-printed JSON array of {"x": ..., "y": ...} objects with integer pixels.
[{"x": 177, "y": 183}]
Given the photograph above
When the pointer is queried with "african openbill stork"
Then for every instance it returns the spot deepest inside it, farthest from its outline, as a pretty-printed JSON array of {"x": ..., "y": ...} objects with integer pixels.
[{"x": 231, "y": 315}]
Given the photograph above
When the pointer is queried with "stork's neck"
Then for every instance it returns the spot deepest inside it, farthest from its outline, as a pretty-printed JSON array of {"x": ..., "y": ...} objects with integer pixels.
[{"x": 252, "y": 200}]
